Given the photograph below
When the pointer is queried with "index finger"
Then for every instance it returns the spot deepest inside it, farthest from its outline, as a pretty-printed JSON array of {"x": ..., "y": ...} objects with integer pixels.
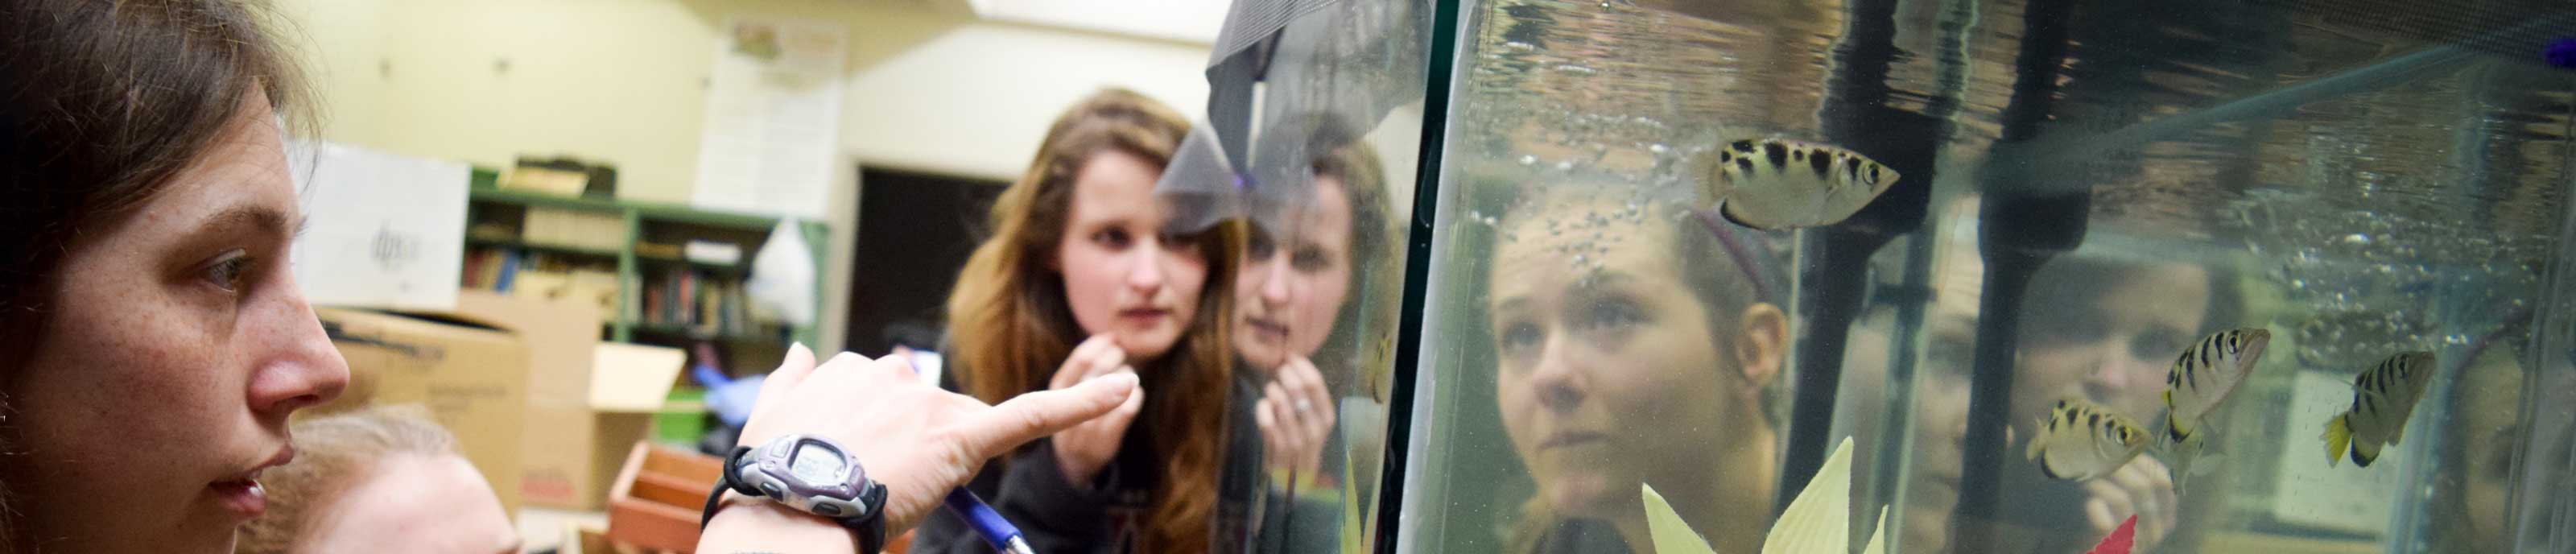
[{"x": 1030, "y": 416}]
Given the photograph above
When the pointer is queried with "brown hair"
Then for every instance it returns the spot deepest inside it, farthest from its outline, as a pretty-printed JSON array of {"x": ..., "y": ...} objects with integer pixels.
[
  {"x": 105, "y": 103},
  {"x": 335, "y": 453},
  {"x": 1010, "y": 325}
]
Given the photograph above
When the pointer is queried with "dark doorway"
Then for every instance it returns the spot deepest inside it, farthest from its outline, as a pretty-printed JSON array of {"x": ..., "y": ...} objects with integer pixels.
[{"x": 915, "y": 231}]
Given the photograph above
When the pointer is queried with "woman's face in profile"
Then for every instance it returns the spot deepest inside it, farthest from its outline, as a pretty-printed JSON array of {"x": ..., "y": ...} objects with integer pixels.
[
  {"x": 1293, "y": 281},
  {"x": 1122, "y": 275},
  {"x": 179, "y": 343},
  {"x": 1609, "y": 373}
]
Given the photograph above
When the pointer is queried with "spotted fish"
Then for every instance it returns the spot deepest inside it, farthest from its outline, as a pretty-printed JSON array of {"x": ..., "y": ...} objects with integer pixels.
[
  {"x": 2082, "y": 440},
  {"x": 1785, "y": 184},
  {"x": 2382, "y": 398},
  {"x": 2205, "y": 374}
]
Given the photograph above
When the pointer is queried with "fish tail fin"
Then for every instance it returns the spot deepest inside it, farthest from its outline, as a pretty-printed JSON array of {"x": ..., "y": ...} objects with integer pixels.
[
  {"x": 2031, "y": 452},
  {"x": 2363, "y": 453},
  {"x": 2338, "y": 436}
]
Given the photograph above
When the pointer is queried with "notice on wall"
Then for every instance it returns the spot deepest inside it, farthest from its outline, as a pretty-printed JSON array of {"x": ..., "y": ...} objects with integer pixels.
[
  {"x": 773, "y": 118},
  {"x": 381, "y": 230}
]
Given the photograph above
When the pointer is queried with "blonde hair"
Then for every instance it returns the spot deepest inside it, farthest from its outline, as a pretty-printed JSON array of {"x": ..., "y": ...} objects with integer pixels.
[
  {"x": 334, "y": 453},
  {"x": 1009, "y": 324}
]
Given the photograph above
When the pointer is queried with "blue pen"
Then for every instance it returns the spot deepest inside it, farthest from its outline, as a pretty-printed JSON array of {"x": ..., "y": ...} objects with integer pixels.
[{"x": 996, "y": 531}]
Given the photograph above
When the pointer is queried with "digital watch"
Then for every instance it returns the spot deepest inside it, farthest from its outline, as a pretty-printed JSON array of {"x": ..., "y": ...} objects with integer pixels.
[{"x": 810, "y": 474}]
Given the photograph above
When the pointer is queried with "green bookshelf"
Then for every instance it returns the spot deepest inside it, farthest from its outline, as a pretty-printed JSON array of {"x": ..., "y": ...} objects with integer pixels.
[{"x": 498, "y": 220}]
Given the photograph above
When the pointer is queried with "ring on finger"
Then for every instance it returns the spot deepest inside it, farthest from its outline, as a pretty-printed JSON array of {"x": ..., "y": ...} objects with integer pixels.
[{"x": 1303, "y": 405}]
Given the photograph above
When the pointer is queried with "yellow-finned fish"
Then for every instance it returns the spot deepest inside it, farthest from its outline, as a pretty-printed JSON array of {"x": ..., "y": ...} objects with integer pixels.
[
  {"x": 2382, "y": 399},
  {"x": 2081, "y": 440},
  {"x": 2206, "y": 373},
  {"x": 1785, "y": 184}
]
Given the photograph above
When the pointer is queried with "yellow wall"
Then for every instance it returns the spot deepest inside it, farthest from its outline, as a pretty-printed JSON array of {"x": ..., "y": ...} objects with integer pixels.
[{"x": 624, "y": 80}]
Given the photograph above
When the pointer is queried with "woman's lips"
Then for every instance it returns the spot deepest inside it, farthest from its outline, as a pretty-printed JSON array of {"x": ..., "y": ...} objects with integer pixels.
[
  {"x": 242, "y": 493},
  {"x": 1144, "y": 317}
]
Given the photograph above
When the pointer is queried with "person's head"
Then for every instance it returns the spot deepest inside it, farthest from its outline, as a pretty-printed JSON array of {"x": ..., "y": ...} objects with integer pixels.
[
  {"x": 2107, "y": 330},
  {"x": 1942, "y": 371},
  {"x": 152, "y": 339},
  {"x": 382, "y": 479},
  {"x": 1635, "y": 346},
  {"x": 1080, "y": 247},
  {"x": 1293, "y": 282}
]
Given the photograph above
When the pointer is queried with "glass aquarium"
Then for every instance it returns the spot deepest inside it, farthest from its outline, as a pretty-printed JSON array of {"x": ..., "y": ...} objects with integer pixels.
[{"x": 1989, "y": 275}]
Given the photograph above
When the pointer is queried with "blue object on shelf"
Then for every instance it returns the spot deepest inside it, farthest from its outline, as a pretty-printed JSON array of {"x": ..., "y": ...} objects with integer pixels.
[{"x": 729, "y": 399}]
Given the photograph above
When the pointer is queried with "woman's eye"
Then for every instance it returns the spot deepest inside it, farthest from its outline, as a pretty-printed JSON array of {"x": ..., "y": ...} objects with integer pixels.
[
  {"x": 2157, "y": 344},
  {"x": 1612, "y": 315},
  {"x": 228, "y": 273},
  {"x": 1518, "y": 337},
  {"x": 1310, "y": 260},
  {"x": 1112, "y": 238},
  {"x": 1260, "y": 246}
]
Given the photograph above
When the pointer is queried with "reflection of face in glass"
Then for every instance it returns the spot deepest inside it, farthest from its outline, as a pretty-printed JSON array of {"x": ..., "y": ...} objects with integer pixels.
[
  {"x": 1615, "y": 373},
  {"x": 1294, "y": 280},
  {"x": 2112, "y": 346},
  {"x": 1122, "y": 274},
  {"x": 1940, "y": 416}
]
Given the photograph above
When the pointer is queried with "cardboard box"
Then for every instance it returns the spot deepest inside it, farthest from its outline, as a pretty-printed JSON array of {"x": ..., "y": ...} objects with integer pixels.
[
  {"x": 575, "y": 446},
  {"x": 472, "y": 377}
]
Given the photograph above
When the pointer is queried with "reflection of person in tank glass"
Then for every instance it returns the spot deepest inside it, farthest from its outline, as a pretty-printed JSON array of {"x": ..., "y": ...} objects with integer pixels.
[
  {"x": 2096, "y": 328},
  {"x": 2107, "y": 330},
  {"x": 1634, "y": 347},
  {"x": 2474, "y": 477},
  {"x": 1298, "y": 274}
]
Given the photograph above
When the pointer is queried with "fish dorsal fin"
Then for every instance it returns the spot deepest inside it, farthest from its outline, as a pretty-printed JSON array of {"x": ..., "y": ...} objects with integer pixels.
[
  {"x": 1670, "y": 533},
  {"x": 1819, "y": 520}
]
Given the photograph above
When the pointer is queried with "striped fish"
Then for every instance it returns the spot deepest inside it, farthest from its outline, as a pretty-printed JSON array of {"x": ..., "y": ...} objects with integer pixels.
[
  {"x": 2082, "y": 440},
  {"x": 2206, "y": 373},
  {"x": 2382, "y": 399},
  {"x": 1785, "y": 184}
]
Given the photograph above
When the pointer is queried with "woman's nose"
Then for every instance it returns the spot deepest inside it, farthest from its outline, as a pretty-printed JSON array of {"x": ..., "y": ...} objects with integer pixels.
[
  {"x": 298, "y": 366},
  {"x": 1145, "y": 270},
  {"x": 1276, "y": 287},
  {"x": 1558, "y": 380}
]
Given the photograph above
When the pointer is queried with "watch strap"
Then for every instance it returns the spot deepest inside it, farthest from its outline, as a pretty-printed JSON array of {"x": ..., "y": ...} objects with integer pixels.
[{"x": 868, "y": 527}]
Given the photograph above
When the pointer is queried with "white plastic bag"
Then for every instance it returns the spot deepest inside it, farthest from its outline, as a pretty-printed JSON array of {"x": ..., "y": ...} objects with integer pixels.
[{"x": 782, "y": 277}]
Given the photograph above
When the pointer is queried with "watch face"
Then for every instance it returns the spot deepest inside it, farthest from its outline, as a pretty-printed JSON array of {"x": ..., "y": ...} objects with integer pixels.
[{"x": 816, "y": 464}]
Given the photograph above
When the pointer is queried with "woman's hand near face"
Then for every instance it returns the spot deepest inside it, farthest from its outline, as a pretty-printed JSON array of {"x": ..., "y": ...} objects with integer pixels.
[
  {"x": 917, "y": 440},
  {"x": 2143, "y": 488},
  {"x": 1296, "y": 415},
  {"x": 1082, "y": 450}
]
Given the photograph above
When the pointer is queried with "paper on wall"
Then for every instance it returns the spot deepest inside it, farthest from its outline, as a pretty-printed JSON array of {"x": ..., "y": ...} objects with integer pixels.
[
  {"x": 773, "y": 118},
  {"x": 381, "y": 230}
]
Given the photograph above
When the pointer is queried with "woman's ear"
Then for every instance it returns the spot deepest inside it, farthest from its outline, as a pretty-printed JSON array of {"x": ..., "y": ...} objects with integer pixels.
[{"x": 1761, "y": 342}]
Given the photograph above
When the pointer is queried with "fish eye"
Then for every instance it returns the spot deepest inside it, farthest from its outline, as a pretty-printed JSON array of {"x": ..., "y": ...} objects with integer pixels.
[{"x": 1873, "y": 174}]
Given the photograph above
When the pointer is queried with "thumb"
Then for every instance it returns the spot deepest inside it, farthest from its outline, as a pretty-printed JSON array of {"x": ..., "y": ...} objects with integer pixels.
[{"x": 1038, "y": 414}]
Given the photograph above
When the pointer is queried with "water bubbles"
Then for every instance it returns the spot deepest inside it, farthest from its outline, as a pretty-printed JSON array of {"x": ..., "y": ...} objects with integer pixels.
[
  {"x": 1529, "y": 159},
  {"x": 2357, "y": 239},
  {"x": 1566, "y": 165},
  {"x": 1658, "y": 148}
]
